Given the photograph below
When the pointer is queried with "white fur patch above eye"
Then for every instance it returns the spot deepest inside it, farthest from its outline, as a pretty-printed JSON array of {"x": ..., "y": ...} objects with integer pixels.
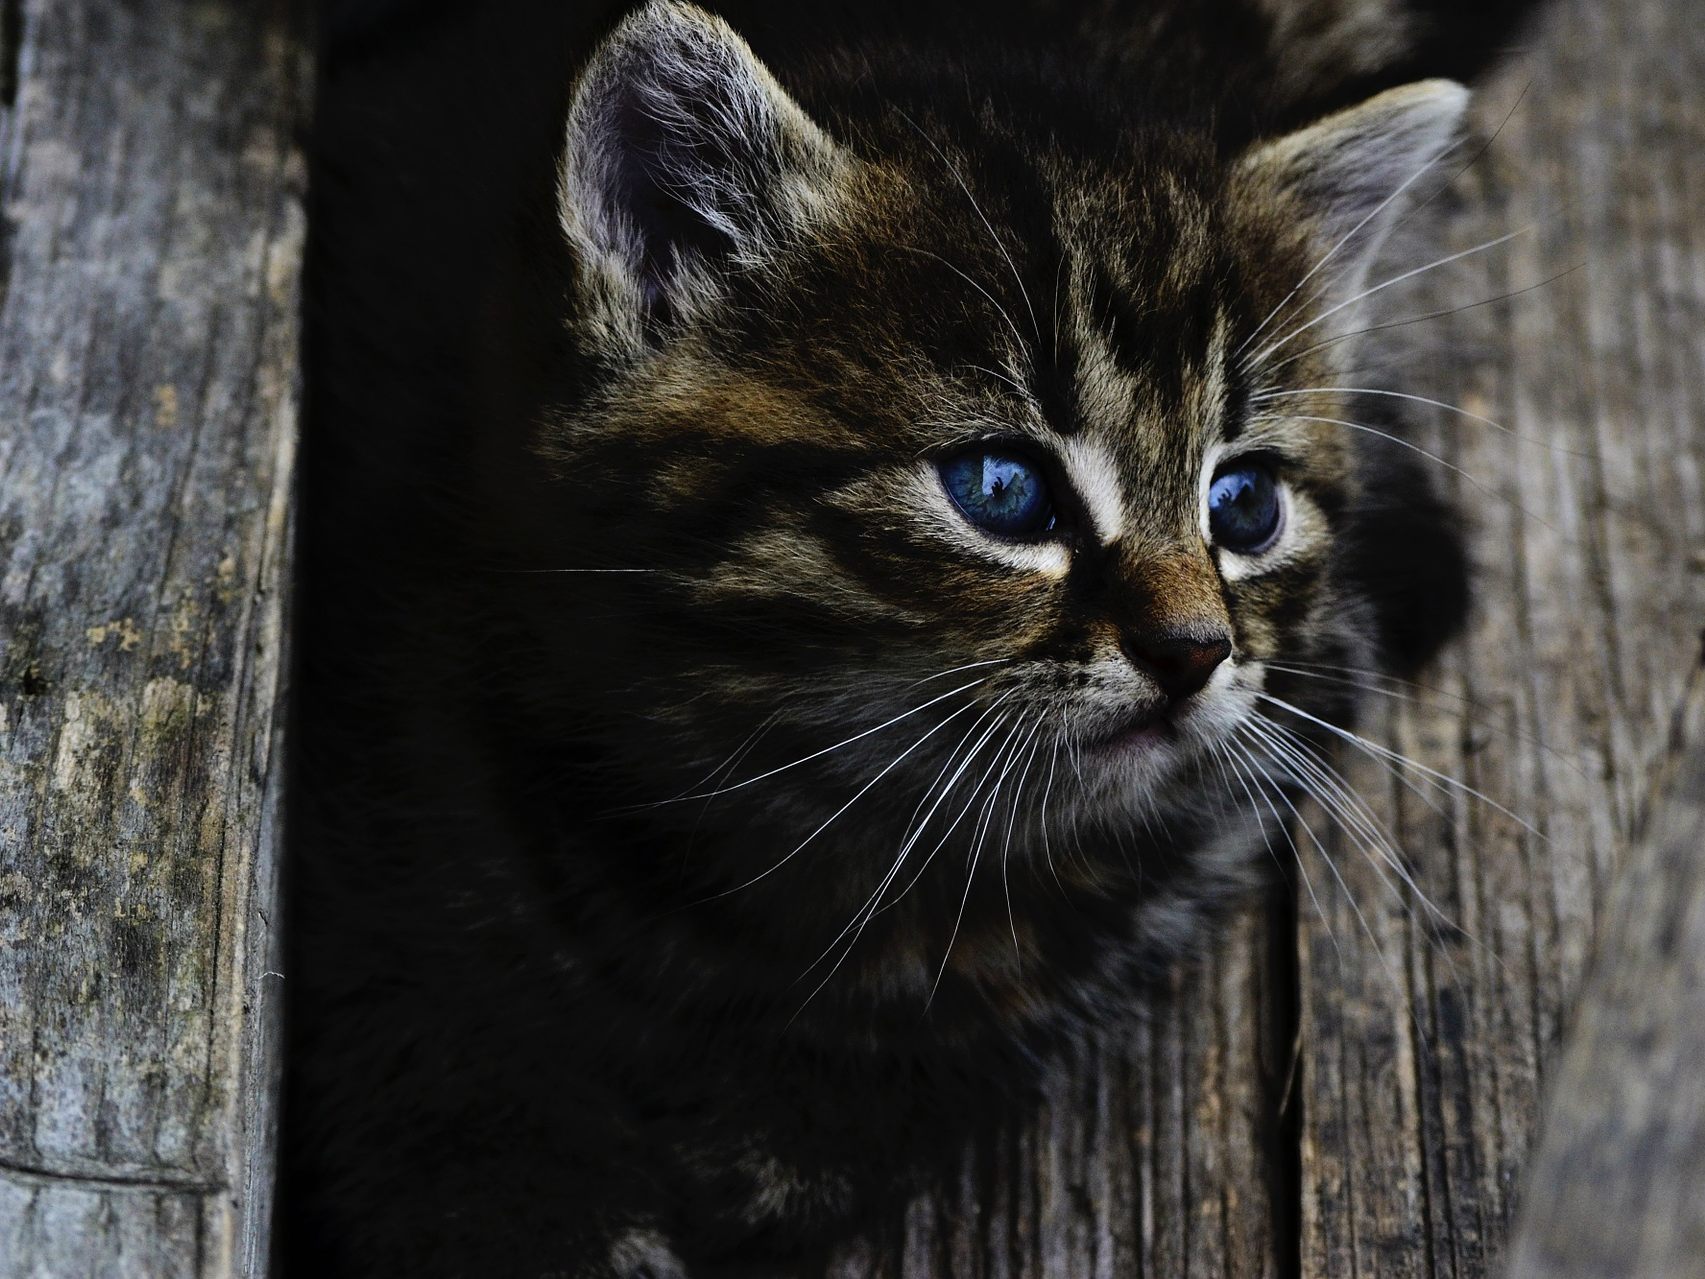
[{"x": 1095, "y": 478}]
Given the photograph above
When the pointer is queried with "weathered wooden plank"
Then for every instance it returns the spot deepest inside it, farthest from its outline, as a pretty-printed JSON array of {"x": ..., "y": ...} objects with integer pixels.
[
  {"x": 1618, "y": 1181},
  {"x": 148, "y": 332},
  {"x": 1153, "y": 1158},
  {"x": 1427, "y": 1041}
]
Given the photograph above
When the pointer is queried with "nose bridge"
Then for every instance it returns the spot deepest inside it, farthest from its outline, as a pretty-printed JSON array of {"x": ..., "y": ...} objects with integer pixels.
[
  {"x": 1172, "y": 589},
  {"x": 1171, "y": 618}
]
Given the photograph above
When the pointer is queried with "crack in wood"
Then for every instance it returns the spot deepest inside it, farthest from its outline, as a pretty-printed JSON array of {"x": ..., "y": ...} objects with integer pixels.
[
  {"x": 1284, "y": 1096},
  {"x": 154, "y": 1181},
  {"x": 11, "y": 49}
]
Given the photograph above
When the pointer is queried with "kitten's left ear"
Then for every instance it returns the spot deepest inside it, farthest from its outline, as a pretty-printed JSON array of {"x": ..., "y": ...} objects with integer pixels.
[
  {"x": 1352, "y": 171},
  {"x": 684, "y": 156}
]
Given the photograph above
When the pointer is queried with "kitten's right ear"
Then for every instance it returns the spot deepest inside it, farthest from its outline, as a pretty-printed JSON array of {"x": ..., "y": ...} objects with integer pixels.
[
  {"x": 1351, "y": 171},
  {"x": 684, "y": 156}
]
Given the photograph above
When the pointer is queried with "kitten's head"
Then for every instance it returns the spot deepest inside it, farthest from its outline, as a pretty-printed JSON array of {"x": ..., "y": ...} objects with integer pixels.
[{"x": 952, "y": 444}]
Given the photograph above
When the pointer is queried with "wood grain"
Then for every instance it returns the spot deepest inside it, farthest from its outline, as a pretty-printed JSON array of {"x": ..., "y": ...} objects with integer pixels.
[
  {"x": 1429, "y": 1040},
  {"x": 1617, "y": 1183},
  {"x": 1153, "y": 1159},
  {"x": 149, "y": 261}
]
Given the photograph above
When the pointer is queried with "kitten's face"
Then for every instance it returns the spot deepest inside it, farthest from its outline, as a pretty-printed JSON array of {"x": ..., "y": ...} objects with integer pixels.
[{"x": 949, "y": 451}]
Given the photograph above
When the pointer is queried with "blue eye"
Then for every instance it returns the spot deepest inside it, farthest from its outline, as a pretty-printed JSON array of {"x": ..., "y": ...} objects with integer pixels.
[
  {"x": 1243, "y": 507},
  {"x": 999, "y": 492}
]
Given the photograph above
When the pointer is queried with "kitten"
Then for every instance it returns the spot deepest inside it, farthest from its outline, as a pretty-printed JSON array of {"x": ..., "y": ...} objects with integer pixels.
[{"x": 769, "y": 673}]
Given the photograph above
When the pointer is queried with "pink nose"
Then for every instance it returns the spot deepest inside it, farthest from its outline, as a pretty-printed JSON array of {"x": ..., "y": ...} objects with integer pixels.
[{"x": 1179, "y": 661}]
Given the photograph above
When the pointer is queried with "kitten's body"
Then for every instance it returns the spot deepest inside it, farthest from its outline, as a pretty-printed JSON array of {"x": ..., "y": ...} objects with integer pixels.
[{"x": 543, "y": 1022}]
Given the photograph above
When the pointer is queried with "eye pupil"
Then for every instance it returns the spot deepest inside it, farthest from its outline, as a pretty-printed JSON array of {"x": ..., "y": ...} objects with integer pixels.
[
  {"x": 999, "y": 492},
  {"x": 1244, "y": 508}
]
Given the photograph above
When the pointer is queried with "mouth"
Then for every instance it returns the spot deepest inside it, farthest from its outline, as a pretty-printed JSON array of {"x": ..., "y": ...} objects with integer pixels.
[{"x": 1144, "y": 731}]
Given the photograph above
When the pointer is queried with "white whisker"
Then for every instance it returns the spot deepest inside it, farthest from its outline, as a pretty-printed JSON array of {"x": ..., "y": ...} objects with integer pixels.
[
  {"x": 987, "y": 225},
  {"x": 1416, "y": 448},
  {"x": 947, "y": 834},
  {"x": 1338, "y": 675},
  {"x": 1011, "y": 755},
  {"x": 827, "y": 750},
  {"x": 1018, "y": 336},
  {"x": 1345, "y": 240},
  {"x": 1349, "y": 803},
  {"x": 1034, "y": 742},
  {"x": 1417, "y": 399},
  {"x": 954, "y": 670},
  {"x": 1274, "y": 347},
  {"x": 1256, "y": 773},
  {"x": 1379, "y": 950},
  {"x": 862, "y": 791},
  {"x": 1415, "y": 319},
  {"x": 996, "y": 373},
  {"x": 1047, "y": 793},
  {"x": 865, "y": 913},
  {"x": 1363, "y": 744},
  {"x": 1354, "y": 815}
]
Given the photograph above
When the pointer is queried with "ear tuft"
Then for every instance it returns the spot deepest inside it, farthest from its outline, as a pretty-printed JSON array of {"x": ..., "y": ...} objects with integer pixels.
[
  {"x": 683, "y": 155},
  {"x": 1352, "y": 170}
]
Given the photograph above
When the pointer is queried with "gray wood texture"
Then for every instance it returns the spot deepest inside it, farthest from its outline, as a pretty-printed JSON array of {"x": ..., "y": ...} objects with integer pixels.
[
  {"x": 1424, "y": 1035},
  {"x": 152, "y": 187},
  {"x": 1617, "y": 1185}
]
